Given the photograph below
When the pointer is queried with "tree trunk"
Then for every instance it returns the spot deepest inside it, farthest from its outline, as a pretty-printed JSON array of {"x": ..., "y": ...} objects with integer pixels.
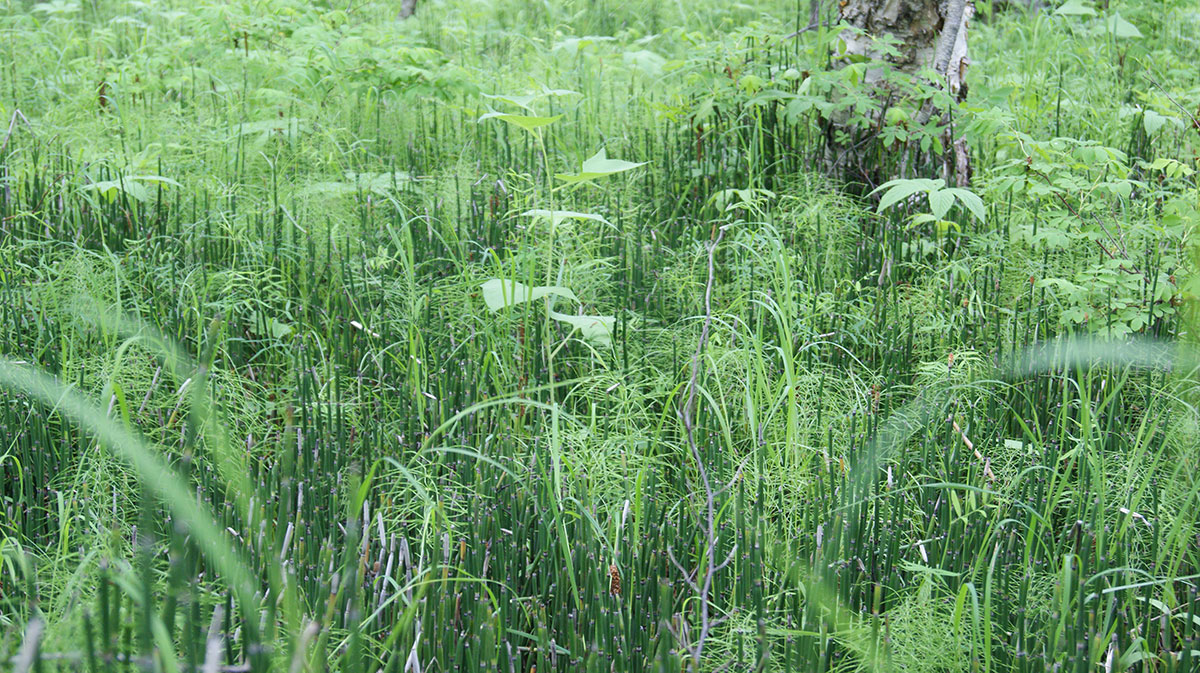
[
  {"x": 931, "y": 33},
  {"x": 917, "y": 24},
  {"x": 407, "y": 8}
]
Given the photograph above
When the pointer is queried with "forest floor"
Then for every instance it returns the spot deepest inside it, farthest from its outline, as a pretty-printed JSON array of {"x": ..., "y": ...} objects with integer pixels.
[{"x": 520, "y": 335}]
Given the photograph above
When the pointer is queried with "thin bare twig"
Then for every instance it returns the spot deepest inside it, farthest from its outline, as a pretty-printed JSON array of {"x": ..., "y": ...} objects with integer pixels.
[
  {"x": 1195, "y": 122},
  {"x": 702, "y": 582},
  {"x": 814, "y": 20},
  {"x": 12, "y": 125}
]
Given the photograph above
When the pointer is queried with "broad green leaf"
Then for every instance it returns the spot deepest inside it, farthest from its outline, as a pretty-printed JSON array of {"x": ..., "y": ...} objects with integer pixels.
[
  {"x": 1074, "y": 8},
  {"x": 971, "y": 201},
  {"x": 276, "y": 327},
  {"x": 646, "y": 61},
  {"x": 1119, "y": 27},
  {"x": 328, "y": 187},
  {"x": 1152, "y": 121},
  {"x": 1059, "y": 283},
  {"x": 940, "y": 201},
  {"x": 527, "y": 122},
  {"x": 557, "y": 216},
  {"x": 898, "y": 190},
  {"x": 498, "y": 294},
  {"x": 946, "y": 225},
  {"x": 132, "y": 185},
  {"x": 598, "y": 166},
  {"x": 919, "y": 568},
  {"x": 154, "y": 179},
  {"x": 110, "y": 188},
  {"x": 595, "y": 328},
  {"x": 1171, "y": 168},
  {"x": 56, "y": 7},
  {"x": 523, "y": 101},
  {"x": 751, "y": 83},
  {"x": 729, "y": 199}
]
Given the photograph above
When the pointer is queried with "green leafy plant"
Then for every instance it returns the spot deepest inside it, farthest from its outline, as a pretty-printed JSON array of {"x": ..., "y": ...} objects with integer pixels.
[{"x": 940, "y": 198}]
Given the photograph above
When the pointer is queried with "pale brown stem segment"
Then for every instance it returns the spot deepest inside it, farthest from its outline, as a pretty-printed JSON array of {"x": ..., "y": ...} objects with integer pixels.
[{"x": 987, "y": 464}]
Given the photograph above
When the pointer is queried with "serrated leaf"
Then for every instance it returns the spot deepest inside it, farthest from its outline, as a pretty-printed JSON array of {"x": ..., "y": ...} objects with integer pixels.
[
  {"x": 498, "y": 294},
  {"x": 594, "y": 328},
  {"x": 598, "y": 166}
]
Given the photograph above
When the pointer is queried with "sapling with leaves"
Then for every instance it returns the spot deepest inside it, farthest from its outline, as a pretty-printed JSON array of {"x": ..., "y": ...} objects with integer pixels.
[
  {"x": 503, "y": 293},
  {"x": 940, "y": 198}
]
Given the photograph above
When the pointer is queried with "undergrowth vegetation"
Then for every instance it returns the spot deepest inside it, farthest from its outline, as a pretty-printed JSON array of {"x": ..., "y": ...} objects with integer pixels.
[{"x": 524, "y": 336}]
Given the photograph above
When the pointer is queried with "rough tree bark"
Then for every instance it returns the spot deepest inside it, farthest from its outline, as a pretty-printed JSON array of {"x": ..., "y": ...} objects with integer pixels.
[{"x": 931, "y": 33}]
